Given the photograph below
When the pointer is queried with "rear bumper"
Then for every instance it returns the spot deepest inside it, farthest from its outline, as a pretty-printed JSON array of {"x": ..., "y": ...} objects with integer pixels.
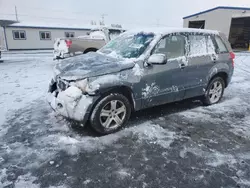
[{"x": 72, "y": 104}]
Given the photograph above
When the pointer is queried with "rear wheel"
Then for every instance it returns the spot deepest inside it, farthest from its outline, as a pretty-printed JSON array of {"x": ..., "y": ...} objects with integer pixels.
[
  {"x": 215, "y": 91},
  {"x": 110, "y": 114}
]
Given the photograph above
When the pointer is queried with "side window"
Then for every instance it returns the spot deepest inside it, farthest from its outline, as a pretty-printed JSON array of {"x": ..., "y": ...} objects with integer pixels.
[
  {"x": 210, "y": 45},
  {"x": 198, "y": 45},
  {"x": 172, "y": 46},
  {"x": 45, "y": 35},
  {"x": 69, "y": 34},
  {"x": 221, "y": 46}
]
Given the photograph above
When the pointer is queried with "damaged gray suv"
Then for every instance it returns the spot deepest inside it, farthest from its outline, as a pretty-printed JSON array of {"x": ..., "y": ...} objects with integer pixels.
[{"x": 138, "y": 70}]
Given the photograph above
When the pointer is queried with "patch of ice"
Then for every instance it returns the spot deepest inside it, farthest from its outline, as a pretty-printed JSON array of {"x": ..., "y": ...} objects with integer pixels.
[
  {"x": 123, "y": 173},
  {"x": 217, "y": 159},
  {"x": 26, "y": 181},
  {"x": 60, "y": 186},
  {"x": 87, "y": 181}
]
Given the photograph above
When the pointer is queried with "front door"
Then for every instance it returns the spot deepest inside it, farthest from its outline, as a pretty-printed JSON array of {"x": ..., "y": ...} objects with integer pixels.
[{"x": 165, "y": 83}]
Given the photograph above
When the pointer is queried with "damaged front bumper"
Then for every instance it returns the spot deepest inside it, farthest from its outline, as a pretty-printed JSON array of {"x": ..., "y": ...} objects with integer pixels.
[{"x": 71, "y": 103}]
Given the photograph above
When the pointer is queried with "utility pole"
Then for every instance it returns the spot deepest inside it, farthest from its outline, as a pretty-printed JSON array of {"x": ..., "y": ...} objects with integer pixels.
[{"x": 16, "y": 14}]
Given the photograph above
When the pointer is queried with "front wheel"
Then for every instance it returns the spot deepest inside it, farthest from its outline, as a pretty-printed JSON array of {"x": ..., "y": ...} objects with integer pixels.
[
  {"x": 110, "y": 114},
  {"x": 215, "y": 91}
]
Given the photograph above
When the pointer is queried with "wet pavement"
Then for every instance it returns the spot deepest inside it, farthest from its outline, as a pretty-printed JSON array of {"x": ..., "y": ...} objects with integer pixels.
[{"x": 177, "y": 145}]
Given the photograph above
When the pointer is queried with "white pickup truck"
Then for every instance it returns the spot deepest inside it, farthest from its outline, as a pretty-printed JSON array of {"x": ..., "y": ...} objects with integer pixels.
[{"x": 96, "y": 38}]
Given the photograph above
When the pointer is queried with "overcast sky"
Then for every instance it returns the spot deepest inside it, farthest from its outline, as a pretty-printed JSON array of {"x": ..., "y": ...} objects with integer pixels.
[{"x": 126, "y": 12}]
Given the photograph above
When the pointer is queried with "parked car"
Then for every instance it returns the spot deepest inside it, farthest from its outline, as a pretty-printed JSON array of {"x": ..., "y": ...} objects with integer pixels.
[
  {"x": 97, "y": 38},
  {"x": 141, "y": 69}
]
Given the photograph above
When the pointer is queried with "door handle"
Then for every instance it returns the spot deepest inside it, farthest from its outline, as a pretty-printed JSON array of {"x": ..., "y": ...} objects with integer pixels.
[{"x": 182, "y": 66}]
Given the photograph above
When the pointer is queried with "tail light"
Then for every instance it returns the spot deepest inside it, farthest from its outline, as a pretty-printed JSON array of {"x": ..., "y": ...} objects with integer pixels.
[
  {"x": 232, "y": 56},
  {"x": 68, "y": 43}
]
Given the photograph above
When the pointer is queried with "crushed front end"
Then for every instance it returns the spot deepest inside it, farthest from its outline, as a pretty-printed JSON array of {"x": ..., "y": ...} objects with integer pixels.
[{"x": 69, "y": 100}]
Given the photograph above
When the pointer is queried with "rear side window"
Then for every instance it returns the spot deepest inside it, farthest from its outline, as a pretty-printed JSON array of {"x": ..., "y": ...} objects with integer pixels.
[
  {"x": 210, "y": 45},
  {"x": 201, "y": 45},
  {"x": 221, "y": 47},
  {"x": 198, "y": 45}
]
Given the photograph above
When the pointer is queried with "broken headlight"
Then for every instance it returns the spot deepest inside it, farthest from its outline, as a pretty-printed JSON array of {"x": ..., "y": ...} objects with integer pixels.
[{"x": 81, "y": 84}]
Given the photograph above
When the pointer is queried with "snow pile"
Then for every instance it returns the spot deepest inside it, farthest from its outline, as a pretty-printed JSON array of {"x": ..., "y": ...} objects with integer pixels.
[
  {"x": 60, "y": 48},
  {"x": 98, "y": 35}
]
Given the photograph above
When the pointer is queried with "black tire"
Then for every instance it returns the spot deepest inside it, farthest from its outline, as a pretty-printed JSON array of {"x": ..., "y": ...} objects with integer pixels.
[
  {"x": 90, "y": 50},
  {"x": 95, "y": 118},
  {"x": 207, "y": 97}
]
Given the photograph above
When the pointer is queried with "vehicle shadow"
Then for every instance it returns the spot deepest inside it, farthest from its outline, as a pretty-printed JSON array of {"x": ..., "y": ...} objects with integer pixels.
[{"x": 143, "y": 115}]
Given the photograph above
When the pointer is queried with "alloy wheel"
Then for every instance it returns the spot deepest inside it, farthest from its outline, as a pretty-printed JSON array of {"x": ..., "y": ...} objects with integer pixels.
[
  {"x": 215, "y": 92},
  {"x": 113, "y": 114}
]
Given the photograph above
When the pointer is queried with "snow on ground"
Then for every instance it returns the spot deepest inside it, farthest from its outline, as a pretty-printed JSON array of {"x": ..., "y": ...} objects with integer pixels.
[
  {"x": 176, "y": 145},
  {"x": 24, "y": 78}
]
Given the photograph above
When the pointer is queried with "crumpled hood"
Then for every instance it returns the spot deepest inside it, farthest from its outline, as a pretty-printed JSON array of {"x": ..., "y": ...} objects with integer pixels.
[{"x": 90, "y": 65}]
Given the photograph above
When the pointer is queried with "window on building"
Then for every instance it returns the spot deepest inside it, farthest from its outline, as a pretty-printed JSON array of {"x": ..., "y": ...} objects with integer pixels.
[
  {"x": 172, "y": 46},
  {"x": 69, "y": 34},
  {"x": 19, "y": 35},
  {"x": 45, "y": 35},
  {"x": 221, "y": 46}
]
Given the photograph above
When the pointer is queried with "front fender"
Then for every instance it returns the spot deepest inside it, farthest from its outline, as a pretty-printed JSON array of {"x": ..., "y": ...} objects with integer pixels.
[{"x": 102, "y": 84}]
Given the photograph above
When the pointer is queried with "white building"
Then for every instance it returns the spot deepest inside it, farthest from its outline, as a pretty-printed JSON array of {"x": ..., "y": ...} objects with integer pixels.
[
  {"x": 30, "y": 36},
  {"x": 233, "y": 21},
  {"x": 2, "y": 43}
]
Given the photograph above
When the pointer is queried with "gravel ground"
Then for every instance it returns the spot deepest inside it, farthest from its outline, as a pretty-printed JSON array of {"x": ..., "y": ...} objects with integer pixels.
[{"x": 178, "y": 145}]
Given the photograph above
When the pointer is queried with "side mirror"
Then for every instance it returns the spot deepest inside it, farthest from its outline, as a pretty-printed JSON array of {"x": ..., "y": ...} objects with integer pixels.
[{"x": 157, "y": 59}]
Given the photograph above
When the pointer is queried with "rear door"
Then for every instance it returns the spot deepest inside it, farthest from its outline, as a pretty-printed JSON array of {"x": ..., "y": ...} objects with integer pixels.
[{"x": 201, "y": 58}]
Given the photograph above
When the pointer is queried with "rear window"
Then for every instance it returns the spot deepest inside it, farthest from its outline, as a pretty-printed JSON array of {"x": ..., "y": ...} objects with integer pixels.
[{"x": 221, "y": 47}]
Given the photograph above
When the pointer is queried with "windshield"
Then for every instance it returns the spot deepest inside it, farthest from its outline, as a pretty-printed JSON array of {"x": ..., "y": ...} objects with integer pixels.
[{"x": 128, "y": 45}]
